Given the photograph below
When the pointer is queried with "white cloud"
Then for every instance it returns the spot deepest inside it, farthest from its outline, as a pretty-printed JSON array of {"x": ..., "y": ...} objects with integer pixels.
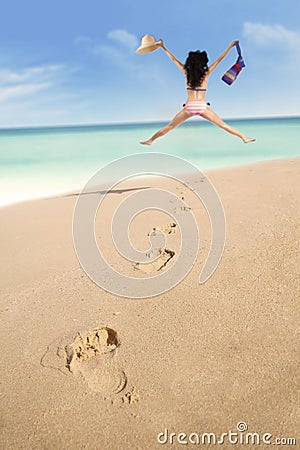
[
  {"x": 120, "y": 40},
  {"x": 21, "y": 90},
  {"x": 115, "y": 55},
  {"x": 121, "y": 56},
  {"x": 264, "y": 35},
  {"x": 123, "y": 37},
  {"x": 119, "y": 50},
  {"x": 128, "y": 63},
  {"x": 29, "y": 80},
  {"x": 8, "y": 76}
]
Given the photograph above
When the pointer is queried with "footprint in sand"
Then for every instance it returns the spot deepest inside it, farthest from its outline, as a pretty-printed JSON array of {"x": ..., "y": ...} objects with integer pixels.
[
  {"x": 162, "y": 256},
  {"x": 90, "y": 355}
]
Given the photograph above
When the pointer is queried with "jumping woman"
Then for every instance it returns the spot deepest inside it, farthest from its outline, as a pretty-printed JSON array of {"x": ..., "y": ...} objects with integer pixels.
[{"x": 197, "y": 74}]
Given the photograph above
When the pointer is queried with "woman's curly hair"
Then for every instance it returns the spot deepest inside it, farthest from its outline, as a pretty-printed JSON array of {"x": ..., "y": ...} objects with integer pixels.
[{"x": 196, "y": 68}]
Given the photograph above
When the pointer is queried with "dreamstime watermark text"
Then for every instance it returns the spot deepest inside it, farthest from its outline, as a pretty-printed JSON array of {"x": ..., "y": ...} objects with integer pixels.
[{"x": 240, "y": 436}]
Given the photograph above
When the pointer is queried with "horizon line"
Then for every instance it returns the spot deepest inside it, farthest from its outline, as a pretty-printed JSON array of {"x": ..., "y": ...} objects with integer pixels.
[{"x": 148, "y": 122}]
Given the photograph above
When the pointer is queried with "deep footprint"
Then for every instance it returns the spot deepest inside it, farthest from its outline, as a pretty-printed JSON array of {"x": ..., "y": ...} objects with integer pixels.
[
  {"x": 90, "y": 344},
  {"x": 91, "y": 356}
]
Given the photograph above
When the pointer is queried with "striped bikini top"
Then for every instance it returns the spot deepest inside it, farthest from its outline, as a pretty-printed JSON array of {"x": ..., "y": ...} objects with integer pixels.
[{"x": 196, "y": 89}]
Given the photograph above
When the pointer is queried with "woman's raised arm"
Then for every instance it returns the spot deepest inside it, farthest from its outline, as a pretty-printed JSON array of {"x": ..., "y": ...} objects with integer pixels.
[
  {"x": 222, "y": 56},
  {"x": 171, "y": 56}
]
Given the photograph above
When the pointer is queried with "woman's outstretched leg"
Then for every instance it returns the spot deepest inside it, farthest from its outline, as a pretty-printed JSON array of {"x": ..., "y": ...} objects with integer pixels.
[
  {"x": 210, "y": 115},
  {"x": 177, "y": 120}
]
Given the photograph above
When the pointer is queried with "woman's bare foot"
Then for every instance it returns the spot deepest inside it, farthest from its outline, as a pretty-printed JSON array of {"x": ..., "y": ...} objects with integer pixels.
[
  {"x": 149, "y": 142},
  {"x": 246, "y": 140}
]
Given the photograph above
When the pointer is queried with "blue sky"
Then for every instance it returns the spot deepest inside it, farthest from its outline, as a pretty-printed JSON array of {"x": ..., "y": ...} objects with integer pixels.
[{"x": 71, "y": 62}]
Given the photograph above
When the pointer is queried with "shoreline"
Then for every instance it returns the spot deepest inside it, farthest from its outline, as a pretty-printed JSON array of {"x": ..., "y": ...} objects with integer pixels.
[{"x": 78, "y": 189}]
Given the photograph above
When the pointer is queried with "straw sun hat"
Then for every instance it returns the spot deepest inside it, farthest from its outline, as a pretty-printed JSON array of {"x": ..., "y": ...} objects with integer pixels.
[{"x": 148, "y": 44}]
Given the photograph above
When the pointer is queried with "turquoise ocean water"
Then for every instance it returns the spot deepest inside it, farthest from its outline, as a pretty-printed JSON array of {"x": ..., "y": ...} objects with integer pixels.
[{"x": 38, "y": 162}]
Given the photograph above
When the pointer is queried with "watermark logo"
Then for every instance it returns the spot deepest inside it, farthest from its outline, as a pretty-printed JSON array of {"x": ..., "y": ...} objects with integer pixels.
[
  {"x": 242, "y": 426},
  {"x": 89, "y": 202},
  {"x": 240, "y": 436}
]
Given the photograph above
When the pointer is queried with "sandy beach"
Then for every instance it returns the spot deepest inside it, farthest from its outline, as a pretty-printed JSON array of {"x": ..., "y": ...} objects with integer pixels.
[{"x": 196, "y": 359}]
